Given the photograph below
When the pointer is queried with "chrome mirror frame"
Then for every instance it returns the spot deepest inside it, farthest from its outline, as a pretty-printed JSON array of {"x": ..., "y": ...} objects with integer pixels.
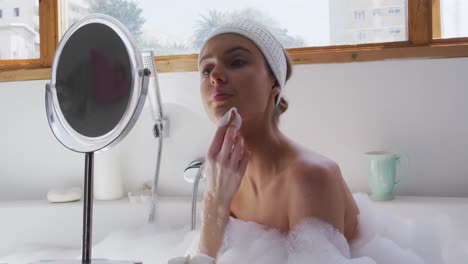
[{"x": 64, "y": 133}]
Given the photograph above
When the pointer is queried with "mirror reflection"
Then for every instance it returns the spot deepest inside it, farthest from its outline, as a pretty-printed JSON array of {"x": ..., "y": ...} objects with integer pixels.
[{"x": 94, "y": 80}]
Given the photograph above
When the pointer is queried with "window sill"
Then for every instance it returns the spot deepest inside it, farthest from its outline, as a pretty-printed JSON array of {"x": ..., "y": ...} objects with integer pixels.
[{"x": 316, "y": 55}]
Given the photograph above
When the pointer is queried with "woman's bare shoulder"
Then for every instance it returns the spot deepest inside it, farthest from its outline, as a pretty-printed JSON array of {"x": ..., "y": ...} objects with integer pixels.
[
  {"x": 310, "y": 163},
  {"x": 313, "y": 183},
  {"x": 314, "y": 170},
  {"x": 315, "y": 177}
]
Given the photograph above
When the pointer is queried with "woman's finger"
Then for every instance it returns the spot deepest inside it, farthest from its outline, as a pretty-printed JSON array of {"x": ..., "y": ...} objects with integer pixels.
[
  {"x": 229, "y": 139},
  {"x": 217, "y": 141},
  {"x": 237, "y": 151},
  {"x": 228, "y": 143}
]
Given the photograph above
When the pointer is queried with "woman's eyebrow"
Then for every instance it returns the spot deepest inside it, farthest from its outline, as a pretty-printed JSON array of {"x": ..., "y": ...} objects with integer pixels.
[
  {"x": 230, "y": 50},
  {"x": 233, "y": 49}
]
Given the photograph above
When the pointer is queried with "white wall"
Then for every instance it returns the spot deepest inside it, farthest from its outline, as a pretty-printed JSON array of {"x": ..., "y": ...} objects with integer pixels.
[{"x": 415, "y": 107}]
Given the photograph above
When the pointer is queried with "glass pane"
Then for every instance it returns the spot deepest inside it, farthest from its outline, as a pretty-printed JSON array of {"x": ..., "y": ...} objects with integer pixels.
[
  {"x": 175, "y": 27},
  {"x": 453, "y": 19},
  {"x": 19, "y": 29},
  {"x": 368, "y": 21}
]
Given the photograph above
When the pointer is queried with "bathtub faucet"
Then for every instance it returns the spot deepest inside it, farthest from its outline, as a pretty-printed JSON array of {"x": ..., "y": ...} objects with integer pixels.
[{"x": 193, "y": 174}]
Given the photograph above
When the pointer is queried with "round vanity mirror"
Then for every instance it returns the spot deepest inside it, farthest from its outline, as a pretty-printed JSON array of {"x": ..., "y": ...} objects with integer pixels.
[{"x": 96, "y": 92}]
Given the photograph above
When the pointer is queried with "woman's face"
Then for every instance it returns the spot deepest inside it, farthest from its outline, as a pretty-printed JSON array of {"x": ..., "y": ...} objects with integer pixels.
[{"x": 234, "y": 73}]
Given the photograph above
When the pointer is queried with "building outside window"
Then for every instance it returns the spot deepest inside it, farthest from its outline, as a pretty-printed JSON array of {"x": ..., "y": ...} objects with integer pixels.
[{"x": 19, "y": 29}]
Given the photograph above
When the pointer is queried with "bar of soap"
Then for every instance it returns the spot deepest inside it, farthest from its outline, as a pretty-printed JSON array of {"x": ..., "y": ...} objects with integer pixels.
[{"x": 64, "y": 195}]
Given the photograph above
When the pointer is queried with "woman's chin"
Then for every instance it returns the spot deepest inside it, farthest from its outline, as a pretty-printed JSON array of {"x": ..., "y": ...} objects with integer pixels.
[{"x": 220, "y": 111}]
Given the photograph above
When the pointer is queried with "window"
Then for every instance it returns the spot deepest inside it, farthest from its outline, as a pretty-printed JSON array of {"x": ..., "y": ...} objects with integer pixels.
[
  {"x": 359, "y": 22},
  {"x": 20, "y": 35},
  {"x": 1, "y": 13},
  {"x": 450, "y": 19},
  {"x": 35, "y": 35},
  {"x": 322, "y": 31},
  {"x": 304, "y": 23}
]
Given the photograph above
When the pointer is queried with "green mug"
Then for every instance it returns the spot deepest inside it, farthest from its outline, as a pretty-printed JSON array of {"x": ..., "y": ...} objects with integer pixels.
[{"x": 382, "y": 172}]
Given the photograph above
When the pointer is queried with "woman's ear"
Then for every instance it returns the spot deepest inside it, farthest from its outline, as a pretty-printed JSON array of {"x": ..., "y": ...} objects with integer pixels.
[{"x": 275, "y": 89}]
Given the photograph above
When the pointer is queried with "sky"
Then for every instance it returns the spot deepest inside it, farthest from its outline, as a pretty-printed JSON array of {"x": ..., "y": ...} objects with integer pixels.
[{"x": 306, "y": 18}]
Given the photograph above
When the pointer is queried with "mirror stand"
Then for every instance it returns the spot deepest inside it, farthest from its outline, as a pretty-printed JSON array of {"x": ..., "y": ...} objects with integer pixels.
[
  {"x": 88, "y": 205},
  {"x": 88, "y": 218},
  {"x": 98, "y": 87},
  {"x": 88, "y": 208}
]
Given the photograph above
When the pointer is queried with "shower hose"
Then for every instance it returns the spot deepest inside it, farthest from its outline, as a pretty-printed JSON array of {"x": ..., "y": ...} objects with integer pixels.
[{"x": 157, "y": 132}]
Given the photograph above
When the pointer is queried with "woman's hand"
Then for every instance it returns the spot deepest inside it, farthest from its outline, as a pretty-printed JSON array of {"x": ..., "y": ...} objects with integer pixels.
[
  {"x": 226, "y": 163},
  {"x": 225, "y": 167}
]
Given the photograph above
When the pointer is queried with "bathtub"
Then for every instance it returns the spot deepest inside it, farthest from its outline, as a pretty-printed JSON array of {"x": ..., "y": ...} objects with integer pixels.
[
  {"x": 40, "y": 222},
  {"x": 60, "y": 224}
]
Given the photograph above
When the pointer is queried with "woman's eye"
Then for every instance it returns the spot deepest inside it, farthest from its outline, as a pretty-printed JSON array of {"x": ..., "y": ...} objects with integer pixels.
[
  {"x": 238, "y": 62},
  {"x": 206, "y": 71}
]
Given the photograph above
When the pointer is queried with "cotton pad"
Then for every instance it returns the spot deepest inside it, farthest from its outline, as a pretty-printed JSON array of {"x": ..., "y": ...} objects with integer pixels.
[{"x": 227, "y": 116}]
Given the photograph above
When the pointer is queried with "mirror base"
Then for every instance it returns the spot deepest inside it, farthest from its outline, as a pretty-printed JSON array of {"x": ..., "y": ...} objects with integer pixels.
[{"x": 93, "y": 261}]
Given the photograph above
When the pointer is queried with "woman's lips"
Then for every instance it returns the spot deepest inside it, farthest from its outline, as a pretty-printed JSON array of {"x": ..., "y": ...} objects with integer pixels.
[{"x": 219, "y": 97}]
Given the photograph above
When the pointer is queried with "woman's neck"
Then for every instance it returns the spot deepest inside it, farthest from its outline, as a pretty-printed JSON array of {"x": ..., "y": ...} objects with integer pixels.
[{"x": 267, "y": 146}]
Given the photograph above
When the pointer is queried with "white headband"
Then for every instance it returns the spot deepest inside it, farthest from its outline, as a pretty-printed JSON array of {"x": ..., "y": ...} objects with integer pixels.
[{"x": 265, "y": 41}]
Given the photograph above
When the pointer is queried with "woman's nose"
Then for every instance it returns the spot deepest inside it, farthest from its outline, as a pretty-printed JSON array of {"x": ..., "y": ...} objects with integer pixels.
[{"x": 217, "y": 76}]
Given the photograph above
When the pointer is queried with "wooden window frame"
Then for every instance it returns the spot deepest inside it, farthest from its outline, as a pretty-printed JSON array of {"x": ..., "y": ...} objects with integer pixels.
[
  {"x": 36, "y": 69},
  {"x": 423, "y": 42}
]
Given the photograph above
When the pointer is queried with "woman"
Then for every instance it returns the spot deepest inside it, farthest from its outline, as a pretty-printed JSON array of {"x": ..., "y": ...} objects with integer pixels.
[{"x": 255, "y": 173}]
